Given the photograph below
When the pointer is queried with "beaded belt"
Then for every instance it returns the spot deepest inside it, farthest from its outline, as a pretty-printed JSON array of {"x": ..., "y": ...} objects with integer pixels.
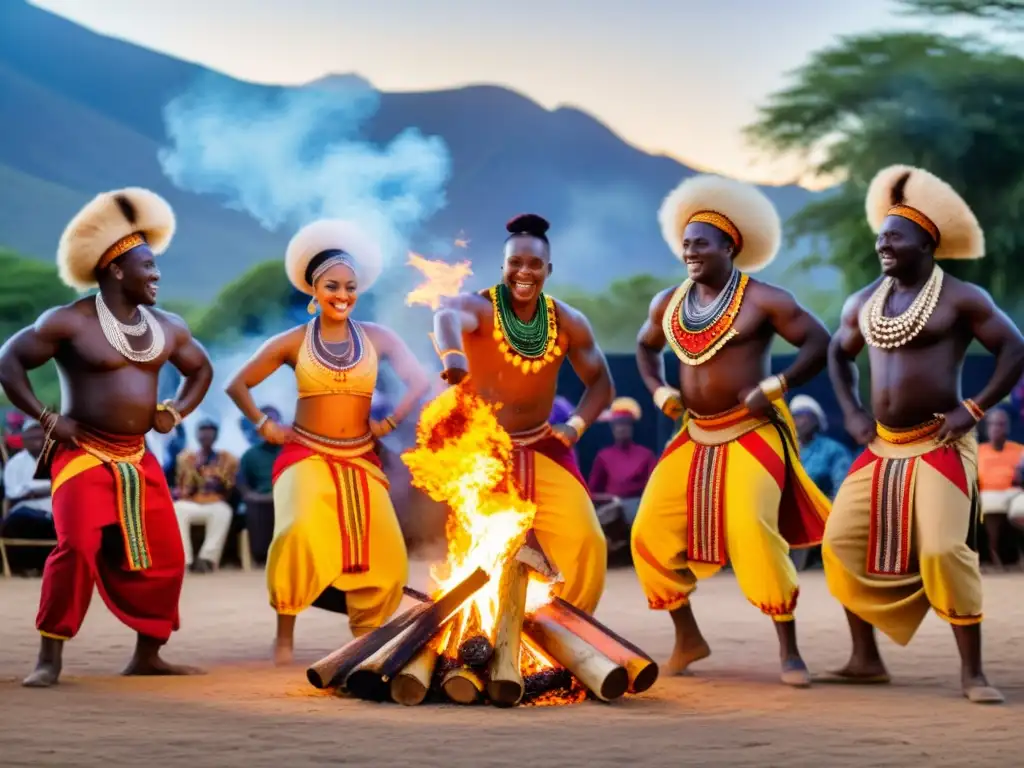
[
  {"x": 531, "y": 436},
  {"x": 333, "y": 446},
  {"x": 910, "y": 434}
]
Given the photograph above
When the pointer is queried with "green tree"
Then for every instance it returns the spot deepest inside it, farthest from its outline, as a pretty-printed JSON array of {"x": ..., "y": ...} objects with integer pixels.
[
  {"x": 247, "y": 305},
  {"x": 30, "y": 288},
  {"x": 951, "y": 105}
]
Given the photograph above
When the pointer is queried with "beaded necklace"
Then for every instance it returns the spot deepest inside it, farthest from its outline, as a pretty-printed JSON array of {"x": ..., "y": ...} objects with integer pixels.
[
  {"x": 531, "y": 345},
  {"x": 336, "y": 365},
  {"x": 696, "y": 334},
  {"x": 117, "y": 333},
  {"x": 884, "y": 332}
]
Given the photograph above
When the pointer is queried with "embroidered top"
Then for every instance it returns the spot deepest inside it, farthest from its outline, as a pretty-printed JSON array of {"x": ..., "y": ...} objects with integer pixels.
[
  {"x": 208, "y": 480},
  {"x": 315, "y": 378},
  {"x": 694, "y": 346}
]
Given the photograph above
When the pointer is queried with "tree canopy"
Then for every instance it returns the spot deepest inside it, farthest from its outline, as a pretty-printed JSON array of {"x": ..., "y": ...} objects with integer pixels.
[{"x": 951, "y": 105}]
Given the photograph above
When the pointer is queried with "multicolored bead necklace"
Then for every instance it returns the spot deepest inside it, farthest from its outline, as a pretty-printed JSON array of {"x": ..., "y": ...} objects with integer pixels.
[
  {"x": 696, "y": 334},
  {"x": 337, "y": 365},
  {"x": 531, "y": 345}
]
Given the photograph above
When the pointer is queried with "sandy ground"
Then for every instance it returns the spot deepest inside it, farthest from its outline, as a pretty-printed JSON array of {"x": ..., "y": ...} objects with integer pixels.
[{"x": 731, "y": 712}]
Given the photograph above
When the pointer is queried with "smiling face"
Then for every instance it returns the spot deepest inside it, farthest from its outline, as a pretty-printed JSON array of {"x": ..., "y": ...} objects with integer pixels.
[
  {"x": 527, "y": 265},
  {"x": 901, "y": 246},
  {"x": 336, "y": 292},
  {"x": 707, "y": 252},
  {"x": 136, "y": 275}
]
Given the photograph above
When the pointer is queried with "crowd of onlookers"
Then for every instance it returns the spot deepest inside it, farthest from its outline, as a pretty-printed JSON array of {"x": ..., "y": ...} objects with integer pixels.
[{"x": 217, "y": 493}]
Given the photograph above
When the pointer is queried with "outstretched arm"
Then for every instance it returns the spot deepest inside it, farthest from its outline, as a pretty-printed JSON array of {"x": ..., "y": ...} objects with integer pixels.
[
  {"x": 589, "y": 363},
  {"x": 194, "y": 364},
  {"x": 391, "y": 347},
  {"x": 846, "y": 344},
  {"x": 457, "y": 315},
  {"x": 650, "y": 343},
  {"x": 274, "y": 353}
]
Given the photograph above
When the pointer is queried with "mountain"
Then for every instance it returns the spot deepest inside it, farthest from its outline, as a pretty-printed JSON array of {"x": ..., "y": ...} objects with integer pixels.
[{"x": 83, "y": 113}]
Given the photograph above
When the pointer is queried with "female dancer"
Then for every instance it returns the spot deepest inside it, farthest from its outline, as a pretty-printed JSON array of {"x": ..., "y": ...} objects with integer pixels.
[{"x": 335, "y": 529}]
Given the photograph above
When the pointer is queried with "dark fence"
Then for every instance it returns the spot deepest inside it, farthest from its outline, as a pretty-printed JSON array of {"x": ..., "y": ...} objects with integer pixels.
[{"x": 654, "y": 430}]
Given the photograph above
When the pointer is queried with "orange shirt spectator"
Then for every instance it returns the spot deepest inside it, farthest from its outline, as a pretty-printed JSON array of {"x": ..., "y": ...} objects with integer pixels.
[{"x": 997, "y": 468}]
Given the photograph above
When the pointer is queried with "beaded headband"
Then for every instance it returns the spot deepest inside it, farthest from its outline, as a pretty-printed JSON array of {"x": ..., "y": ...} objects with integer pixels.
[
  {"x": 120, "y": 248},
  {"x": 914, "y": 215},
  {"x": 330, "y": 261},
  {"x": 718, "y": 221}
]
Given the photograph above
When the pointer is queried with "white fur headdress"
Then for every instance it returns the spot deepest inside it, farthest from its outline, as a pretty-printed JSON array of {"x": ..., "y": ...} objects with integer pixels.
[
  {"x": 928, "y": 201},
  {"x": 740, "y": 210},
  {"x": 109, "y": 225},
  {"x": 333, "y": 235}
]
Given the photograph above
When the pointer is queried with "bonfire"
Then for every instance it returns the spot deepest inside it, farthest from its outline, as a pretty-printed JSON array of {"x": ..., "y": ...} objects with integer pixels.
[{"x": 491, "y": 630}]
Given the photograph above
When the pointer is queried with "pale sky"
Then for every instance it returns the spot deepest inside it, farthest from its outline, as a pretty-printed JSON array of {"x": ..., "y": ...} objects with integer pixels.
[{"x": 675, "y": 76}]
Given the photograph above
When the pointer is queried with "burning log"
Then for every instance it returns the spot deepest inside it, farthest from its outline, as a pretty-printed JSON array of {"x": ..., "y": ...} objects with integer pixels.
[
  {"x": 371, "y": 678},
  {"x": 545, "y": 681},
  {"x": 476, "y": 651},
  {"x": 462, "y": 685},
  {"x": 411, "y": 686},
  {"x": 640, "y": 668},
  {"x": 332, "y": 670},
  {"x": 606, "y": 679},
  {"x": 505, "y": 687}
]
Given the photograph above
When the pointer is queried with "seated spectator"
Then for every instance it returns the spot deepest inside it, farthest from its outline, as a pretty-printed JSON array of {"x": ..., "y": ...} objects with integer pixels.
[
  {"x": 30, "y": 507},
  {"x": 999, "y": 480},
  {"x": 203, "y": 486},
  {"x": 619, "y": 475},
  {"x": 14, "y": 423},
  {"x": 826, "y": 460},
  {"x": 255, "y": 484}
]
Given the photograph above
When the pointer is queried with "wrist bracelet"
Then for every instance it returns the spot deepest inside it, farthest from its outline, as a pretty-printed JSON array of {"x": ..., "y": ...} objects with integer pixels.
[
  {"x": 259, "y": 424},
  {"x": 168, "y": 405},
  {"x": 974, "y": 409},
  {"x": 662, "y": 395},
  {"x": 577, "y": 423},
  {"x": 773, "y": 388}
]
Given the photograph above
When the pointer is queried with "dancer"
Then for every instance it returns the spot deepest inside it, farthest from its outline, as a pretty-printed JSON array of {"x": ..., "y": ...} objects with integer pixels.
[
  {"x": 730, "y": 484},
  {"x": 107, "y": 489},
  {"x": 900, "y": 536},
  {"x": 335, "y": 529},
  {"x": 512, "y": 340}
]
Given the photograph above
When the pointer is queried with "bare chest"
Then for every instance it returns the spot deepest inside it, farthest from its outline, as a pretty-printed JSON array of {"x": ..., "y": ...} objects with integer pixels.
[{"x": 90, "y": 351}]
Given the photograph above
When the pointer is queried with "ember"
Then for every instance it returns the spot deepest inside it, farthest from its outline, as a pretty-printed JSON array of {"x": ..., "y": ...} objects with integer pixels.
[{"x": 492, "y": 630}]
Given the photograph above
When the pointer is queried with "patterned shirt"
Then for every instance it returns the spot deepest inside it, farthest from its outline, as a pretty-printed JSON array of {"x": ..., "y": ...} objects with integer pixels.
[
  {"x": 206, "y": 481},
  {"x": 826, "y": 462}
]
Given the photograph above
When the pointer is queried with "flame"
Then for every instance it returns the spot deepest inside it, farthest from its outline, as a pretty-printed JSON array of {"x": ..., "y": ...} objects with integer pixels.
[
  {"x": 442, "y": 279},
  {"x": 463, "y": 457}
]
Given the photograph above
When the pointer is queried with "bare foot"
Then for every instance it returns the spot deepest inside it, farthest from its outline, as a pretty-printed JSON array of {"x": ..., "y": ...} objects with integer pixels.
[
  {"x": 284, "y": 653},
  {"x": 43, "y": 676},
  {"x": 155, "y": 666},
  {"x": 978, "y": 691},
  {"x": 794, "y": 673},
  {"x": 685, "y": 654},
  {"x": 857, "y": 673}
]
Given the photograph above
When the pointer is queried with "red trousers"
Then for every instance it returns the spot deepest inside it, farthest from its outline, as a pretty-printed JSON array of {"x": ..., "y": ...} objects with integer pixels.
[{"x": 116, "y": 528}]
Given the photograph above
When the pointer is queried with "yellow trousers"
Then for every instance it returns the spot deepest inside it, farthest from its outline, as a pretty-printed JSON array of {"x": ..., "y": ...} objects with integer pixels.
[
  {"x": 565, "y": 522},
  {"x": 569, "y": 533},
  {"x": 315, "y": 541},
  {"x": 717, "y": 494},
  {"x": 896, "y": 542}
]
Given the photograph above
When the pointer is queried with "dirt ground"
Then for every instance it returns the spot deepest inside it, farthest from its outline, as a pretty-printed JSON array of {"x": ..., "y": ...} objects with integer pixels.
[{"x": 731, "y": 712}]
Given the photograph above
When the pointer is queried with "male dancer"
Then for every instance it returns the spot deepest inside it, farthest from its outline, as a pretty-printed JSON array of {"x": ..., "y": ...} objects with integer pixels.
[
  {"x": 899, "y": 538},
  {"x": 113, "y": 512},
  {"x": 512, "y": 339},
  {"x": 730, "y": 484}
]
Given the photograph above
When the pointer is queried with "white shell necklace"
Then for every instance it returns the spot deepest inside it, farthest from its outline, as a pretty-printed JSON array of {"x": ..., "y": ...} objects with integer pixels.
[{"x": 117, "y": 333}]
